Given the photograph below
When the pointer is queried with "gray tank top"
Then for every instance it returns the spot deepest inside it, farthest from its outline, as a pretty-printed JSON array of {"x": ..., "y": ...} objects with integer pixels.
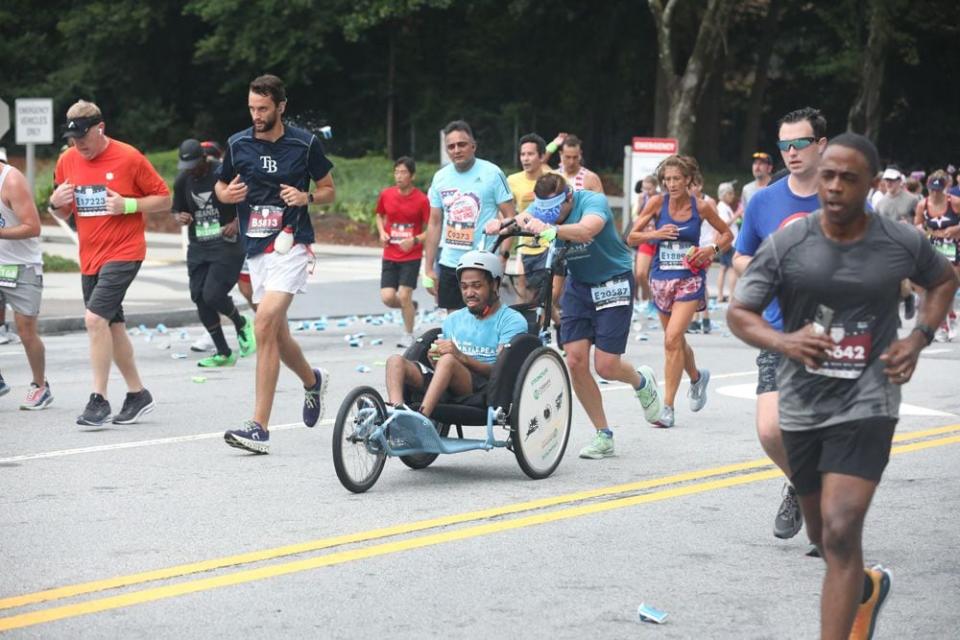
[{"x": 26, "y": 251}]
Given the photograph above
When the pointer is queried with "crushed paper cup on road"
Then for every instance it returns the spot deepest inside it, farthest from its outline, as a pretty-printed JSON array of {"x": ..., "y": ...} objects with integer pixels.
[
  {"x": 376, "y": 342},
  {"x": 356, "y": 343},
  {"x": 178, "y": 356},
  {"x": 362, "y": 368},
  {"x": 379, "y": 363},
  {"x": 164, "y": 345},
  {"x": 648, "y": 613},
  {"x": 161, "y": 328},
  {"x": 198, "y": 379}
]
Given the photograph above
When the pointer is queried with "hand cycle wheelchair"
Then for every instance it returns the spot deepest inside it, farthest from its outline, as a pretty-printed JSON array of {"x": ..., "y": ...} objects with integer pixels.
[{"x": 528, "y": 395}]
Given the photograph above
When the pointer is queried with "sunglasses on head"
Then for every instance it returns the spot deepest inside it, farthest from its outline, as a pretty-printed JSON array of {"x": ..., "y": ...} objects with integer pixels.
[{"x": 797, "y": 143}]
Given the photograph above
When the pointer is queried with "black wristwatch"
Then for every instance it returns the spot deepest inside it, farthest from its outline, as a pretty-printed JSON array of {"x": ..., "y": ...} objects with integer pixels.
[
  {"x": 309, "y": 197},
  {"x": 927, "y": 332}
]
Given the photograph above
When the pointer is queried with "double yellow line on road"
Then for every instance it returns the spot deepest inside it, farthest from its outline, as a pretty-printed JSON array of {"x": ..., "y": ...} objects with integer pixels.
[{"x": 689, "y": 483}]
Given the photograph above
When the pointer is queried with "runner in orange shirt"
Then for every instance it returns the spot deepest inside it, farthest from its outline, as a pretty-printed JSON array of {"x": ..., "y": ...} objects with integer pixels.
[{"x": 107, "y": 186}]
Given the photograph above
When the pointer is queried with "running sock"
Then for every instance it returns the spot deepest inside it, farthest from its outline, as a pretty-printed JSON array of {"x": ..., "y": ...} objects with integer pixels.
[
  {"x": 607, "y": 432},
  {"x": 867, "y": 587},
  {"x": 238, "y": 320},
  {"x": 219, "y": 340}
]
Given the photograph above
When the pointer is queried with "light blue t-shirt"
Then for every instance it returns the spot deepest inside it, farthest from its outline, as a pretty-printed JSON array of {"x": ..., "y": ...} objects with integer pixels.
[
  {"x": 480, "y": 339},
  {"x": 468, "y": 200},
  {"x": 770, "y": 210},
  {"x": 603, "y": 256}
]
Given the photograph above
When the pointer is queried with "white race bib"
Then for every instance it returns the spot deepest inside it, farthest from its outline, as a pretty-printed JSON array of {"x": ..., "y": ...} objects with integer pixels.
[{"x": 612, "y": 293}]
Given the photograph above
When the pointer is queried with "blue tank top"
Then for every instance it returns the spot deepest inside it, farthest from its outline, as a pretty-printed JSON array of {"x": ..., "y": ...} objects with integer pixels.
[{"x": 668, "y": 259}]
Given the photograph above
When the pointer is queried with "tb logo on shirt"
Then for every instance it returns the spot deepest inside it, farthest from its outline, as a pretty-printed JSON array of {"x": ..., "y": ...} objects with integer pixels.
[{"x": 268, "y": 164}]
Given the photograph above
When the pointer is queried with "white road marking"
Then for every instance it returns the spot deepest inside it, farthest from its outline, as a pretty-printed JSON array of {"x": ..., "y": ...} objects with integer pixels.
[
  {"x": 606, "y": 386},
  {"x": 748, "y": 392},
  {"x": 930, "y": 352},
  {"x": 144, "y": 443}
]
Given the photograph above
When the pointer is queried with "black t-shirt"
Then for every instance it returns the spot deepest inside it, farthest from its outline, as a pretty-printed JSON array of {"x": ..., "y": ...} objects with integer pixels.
[{"x": 196, "y": 196}]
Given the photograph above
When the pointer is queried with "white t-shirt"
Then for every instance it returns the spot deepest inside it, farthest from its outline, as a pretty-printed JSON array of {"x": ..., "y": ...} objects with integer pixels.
[{"x": 708, "y": 235}]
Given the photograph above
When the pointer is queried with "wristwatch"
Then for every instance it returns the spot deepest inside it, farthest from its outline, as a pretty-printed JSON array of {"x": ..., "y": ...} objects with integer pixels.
[
  {"x": 927, "y": 332},
  {"x": 716, "y": 248},
  {"x": 309, "y": 197}
]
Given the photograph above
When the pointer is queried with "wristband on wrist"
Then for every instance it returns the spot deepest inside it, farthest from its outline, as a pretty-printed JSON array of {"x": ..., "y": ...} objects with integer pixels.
[
  {"x": 552, "y": 147},
  {"x": 927, "y": 332},
  {"x": 129, "y": 205},
  {"x": 427, "y": 281}
]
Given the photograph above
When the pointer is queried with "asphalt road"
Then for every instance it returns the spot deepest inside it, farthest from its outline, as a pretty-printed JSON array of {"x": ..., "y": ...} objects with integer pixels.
[{"x": 159, "y": 530}]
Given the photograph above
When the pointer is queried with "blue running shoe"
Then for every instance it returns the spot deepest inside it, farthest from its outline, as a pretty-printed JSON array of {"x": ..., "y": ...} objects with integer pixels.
[
  {"x": 313, "y": 397},
  {"x": 250, "y": 437}
]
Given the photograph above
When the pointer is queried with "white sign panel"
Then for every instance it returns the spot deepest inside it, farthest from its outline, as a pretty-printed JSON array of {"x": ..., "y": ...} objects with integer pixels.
[
  {"x": 4, "y": 118},
  {"x": 34, "y": 120},
  {"x": 647, "y": 155}
]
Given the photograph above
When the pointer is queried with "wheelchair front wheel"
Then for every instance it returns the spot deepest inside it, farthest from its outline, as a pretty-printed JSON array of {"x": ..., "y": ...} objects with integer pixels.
[
  {"x": 541, "y": 413},
  {"x": 361, "y": 412}
]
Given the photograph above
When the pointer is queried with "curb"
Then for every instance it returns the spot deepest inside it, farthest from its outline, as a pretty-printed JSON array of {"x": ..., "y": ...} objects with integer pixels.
[{"x": 170, "y": 318}]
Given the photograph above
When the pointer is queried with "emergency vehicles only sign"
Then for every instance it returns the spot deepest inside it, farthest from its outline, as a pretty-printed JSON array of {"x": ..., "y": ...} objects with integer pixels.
[{"x": 34, "y": 120}]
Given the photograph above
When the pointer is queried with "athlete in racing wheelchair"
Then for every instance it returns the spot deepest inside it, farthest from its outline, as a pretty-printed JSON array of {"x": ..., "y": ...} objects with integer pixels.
[{"x": 488, "y": 365}]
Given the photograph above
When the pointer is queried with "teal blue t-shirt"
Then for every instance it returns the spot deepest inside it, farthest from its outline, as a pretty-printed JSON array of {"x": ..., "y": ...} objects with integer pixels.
[
  {"x": 480, "y": 339},
  {"x": 468, "y": 200},
  {"x": 605, "y": 255}
]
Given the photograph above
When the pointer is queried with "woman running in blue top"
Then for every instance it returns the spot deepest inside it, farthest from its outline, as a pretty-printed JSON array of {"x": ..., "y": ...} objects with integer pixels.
[{"x": 678, "y": 276}]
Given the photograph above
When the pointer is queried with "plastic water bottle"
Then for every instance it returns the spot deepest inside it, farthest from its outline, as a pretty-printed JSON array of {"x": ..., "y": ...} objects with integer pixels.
[{"x": 284, "y": 240}]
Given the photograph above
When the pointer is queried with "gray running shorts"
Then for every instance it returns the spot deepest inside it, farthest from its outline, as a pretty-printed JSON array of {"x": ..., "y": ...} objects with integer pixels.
[{"x": 25, "y": 297}]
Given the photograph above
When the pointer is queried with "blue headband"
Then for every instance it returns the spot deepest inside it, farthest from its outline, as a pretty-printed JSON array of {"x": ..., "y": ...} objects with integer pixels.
[{"x": 548, "y": 209}]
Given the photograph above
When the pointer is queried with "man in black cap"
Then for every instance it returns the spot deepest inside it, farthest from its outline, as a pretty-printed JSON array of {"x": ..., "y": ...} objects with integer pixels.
[{"x": 214, "y": 257}]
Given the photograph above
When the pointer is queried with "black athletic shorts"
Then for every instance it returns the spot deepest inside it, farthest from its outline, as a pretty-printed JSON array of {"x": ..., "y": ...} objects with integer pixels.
[
  {"x": 103, "y": 292},
  {"x": 213, "y": 274},
  {"x": 394, "y": 275},
  {"x": 448, "y": 289},
  {"x": 767, "y": 363},
  {"x": 860, "y": 448}
]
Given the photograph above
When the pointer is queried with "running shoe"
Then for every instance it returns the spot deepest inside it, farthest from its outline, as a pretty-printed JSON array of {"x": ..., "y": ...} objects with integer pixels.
[
  {"x": 867, "y": 613},
  {"x": 405, "y": 341},
  {"x": 313, "y": 398},
  {"x": 707, "y": 327},
  {"x": 649, "y": 395},
  {"x": 37, "y": 397},
  {"x": 600, "y": 447},
  {"x": 651, "y": 310},
  {"x": 7, "y": 336},
  {"x": 694, "y": 326},
  {"x": 250, "y": 437},
  {"x": 218, "y": 360},
  {"x": 665, "y": 421},
  {"x": 96, "y": 412},
  {"x": 203, "y": 343},
  {"x": 813, "y": 551},
  {"x": 4, "y": 387},
  {"x": 789, "y": 518},
  {"x": 135, "y": 406},
  {"x": 698, "y": 391},
  {"x": 246, "y": 338}
]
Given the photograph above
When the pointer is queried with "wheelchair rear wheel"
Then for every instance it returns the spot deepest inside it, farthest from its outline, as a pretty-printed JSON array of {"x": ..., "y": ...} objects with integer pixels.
[
  {"x": 541, "y": 413},
  {"x": 361, "y": 412},
  {"x": 424, "y": 460}
]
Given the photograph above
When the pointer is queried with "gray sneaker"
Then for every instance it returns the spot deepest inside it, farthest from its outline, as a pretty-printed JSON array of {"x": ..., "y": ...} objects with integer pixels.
[
  {"x": 649, "y": 395},
  {"x": 698, "y": 391},
  {"x": 789, "y": 518},
  {"x": 665, "y": 420}
]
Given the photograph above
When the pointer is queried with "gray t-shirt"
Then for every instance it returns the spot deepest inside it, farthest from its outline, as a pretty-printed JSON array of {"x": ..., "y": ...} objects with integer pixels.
[
  {"x": 747, "y": 192},
  {"x": 860, "y": 281},
  {"x": 898, "y": 207}
]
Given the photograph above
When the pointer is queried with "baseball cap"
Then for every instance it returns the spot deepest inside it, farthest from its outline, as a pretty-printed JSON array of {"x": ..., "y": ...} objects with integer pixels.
[
  {"x": 892, "y": 174},
  {"x": 190, "y": 154},
  {"x": 760, "y": 155},
  {"x": 937, "y": 184},
  {"x": 212, "y": 149},
  {"x": 78, "y": 127}
]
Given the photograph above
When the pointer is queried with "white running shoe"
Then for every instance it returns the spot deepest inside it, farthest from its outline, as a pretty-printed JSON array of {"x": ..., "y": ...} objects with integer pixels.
[
  {"x": 405, "y": 341},
  {"x": 203, "y": 343},
  {"x": 7, "y": 336}
]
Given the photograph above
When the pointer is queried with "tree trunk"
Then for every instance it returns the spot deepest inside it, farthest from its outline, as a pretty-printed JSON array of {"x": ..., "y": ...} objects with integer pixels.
[
  {"x": 865, "y": 115},
  {"x": 687, "y": 89},
  {"x": 391, "y": 93},
  {"x": 751, "y": 124},
  {"x": 707, "y": 134}
]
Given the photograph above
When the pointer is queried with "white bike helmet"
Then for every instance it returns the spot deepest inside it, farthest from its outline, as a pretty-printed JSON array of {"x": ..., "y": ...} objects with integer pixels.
[{"x": 482, "y": 260}]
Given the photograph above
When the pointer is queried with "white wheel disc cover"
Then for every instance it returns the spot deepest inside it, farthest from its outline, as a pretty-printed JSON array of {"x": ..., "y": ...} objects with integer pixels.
[{"x": 543, "y": 410}]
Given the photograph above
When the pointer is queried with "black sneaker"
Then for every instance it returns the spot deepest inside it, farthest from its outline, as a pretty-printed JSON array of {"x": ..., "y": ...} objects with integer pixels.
[
  {"x": 96, "y": 413},
  {"x": 789, "y": 518},
  {"x": 706, "y": 326},
  {"x": 910, "y": 306},
  {"x": 694, "y": 327},
  {"x": 135, "y": 406}
]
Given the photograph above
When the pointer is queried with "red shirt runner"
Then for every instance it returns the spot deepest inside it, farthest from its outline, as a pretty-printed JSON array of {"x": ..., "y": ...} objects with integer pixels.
[{"x": 404, "y": 216}]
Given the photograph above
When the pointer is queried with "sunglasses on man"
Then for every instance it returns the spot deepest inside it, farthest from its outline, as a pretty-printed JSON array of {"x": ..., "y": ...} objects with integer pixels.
[{"x": 797, "y": 143}]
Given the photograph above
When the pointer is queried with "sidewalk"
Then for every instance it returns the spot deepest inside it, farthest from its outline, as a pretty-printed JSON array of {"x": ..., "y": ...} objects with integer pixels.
[{"x": 160, "y": 294}]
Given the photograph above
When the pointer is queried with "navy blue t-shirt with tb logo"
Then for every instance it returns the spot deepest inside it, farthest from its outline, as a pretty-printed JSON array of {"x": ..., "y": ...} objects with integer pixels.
[{"x": 295, "y": 158}]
